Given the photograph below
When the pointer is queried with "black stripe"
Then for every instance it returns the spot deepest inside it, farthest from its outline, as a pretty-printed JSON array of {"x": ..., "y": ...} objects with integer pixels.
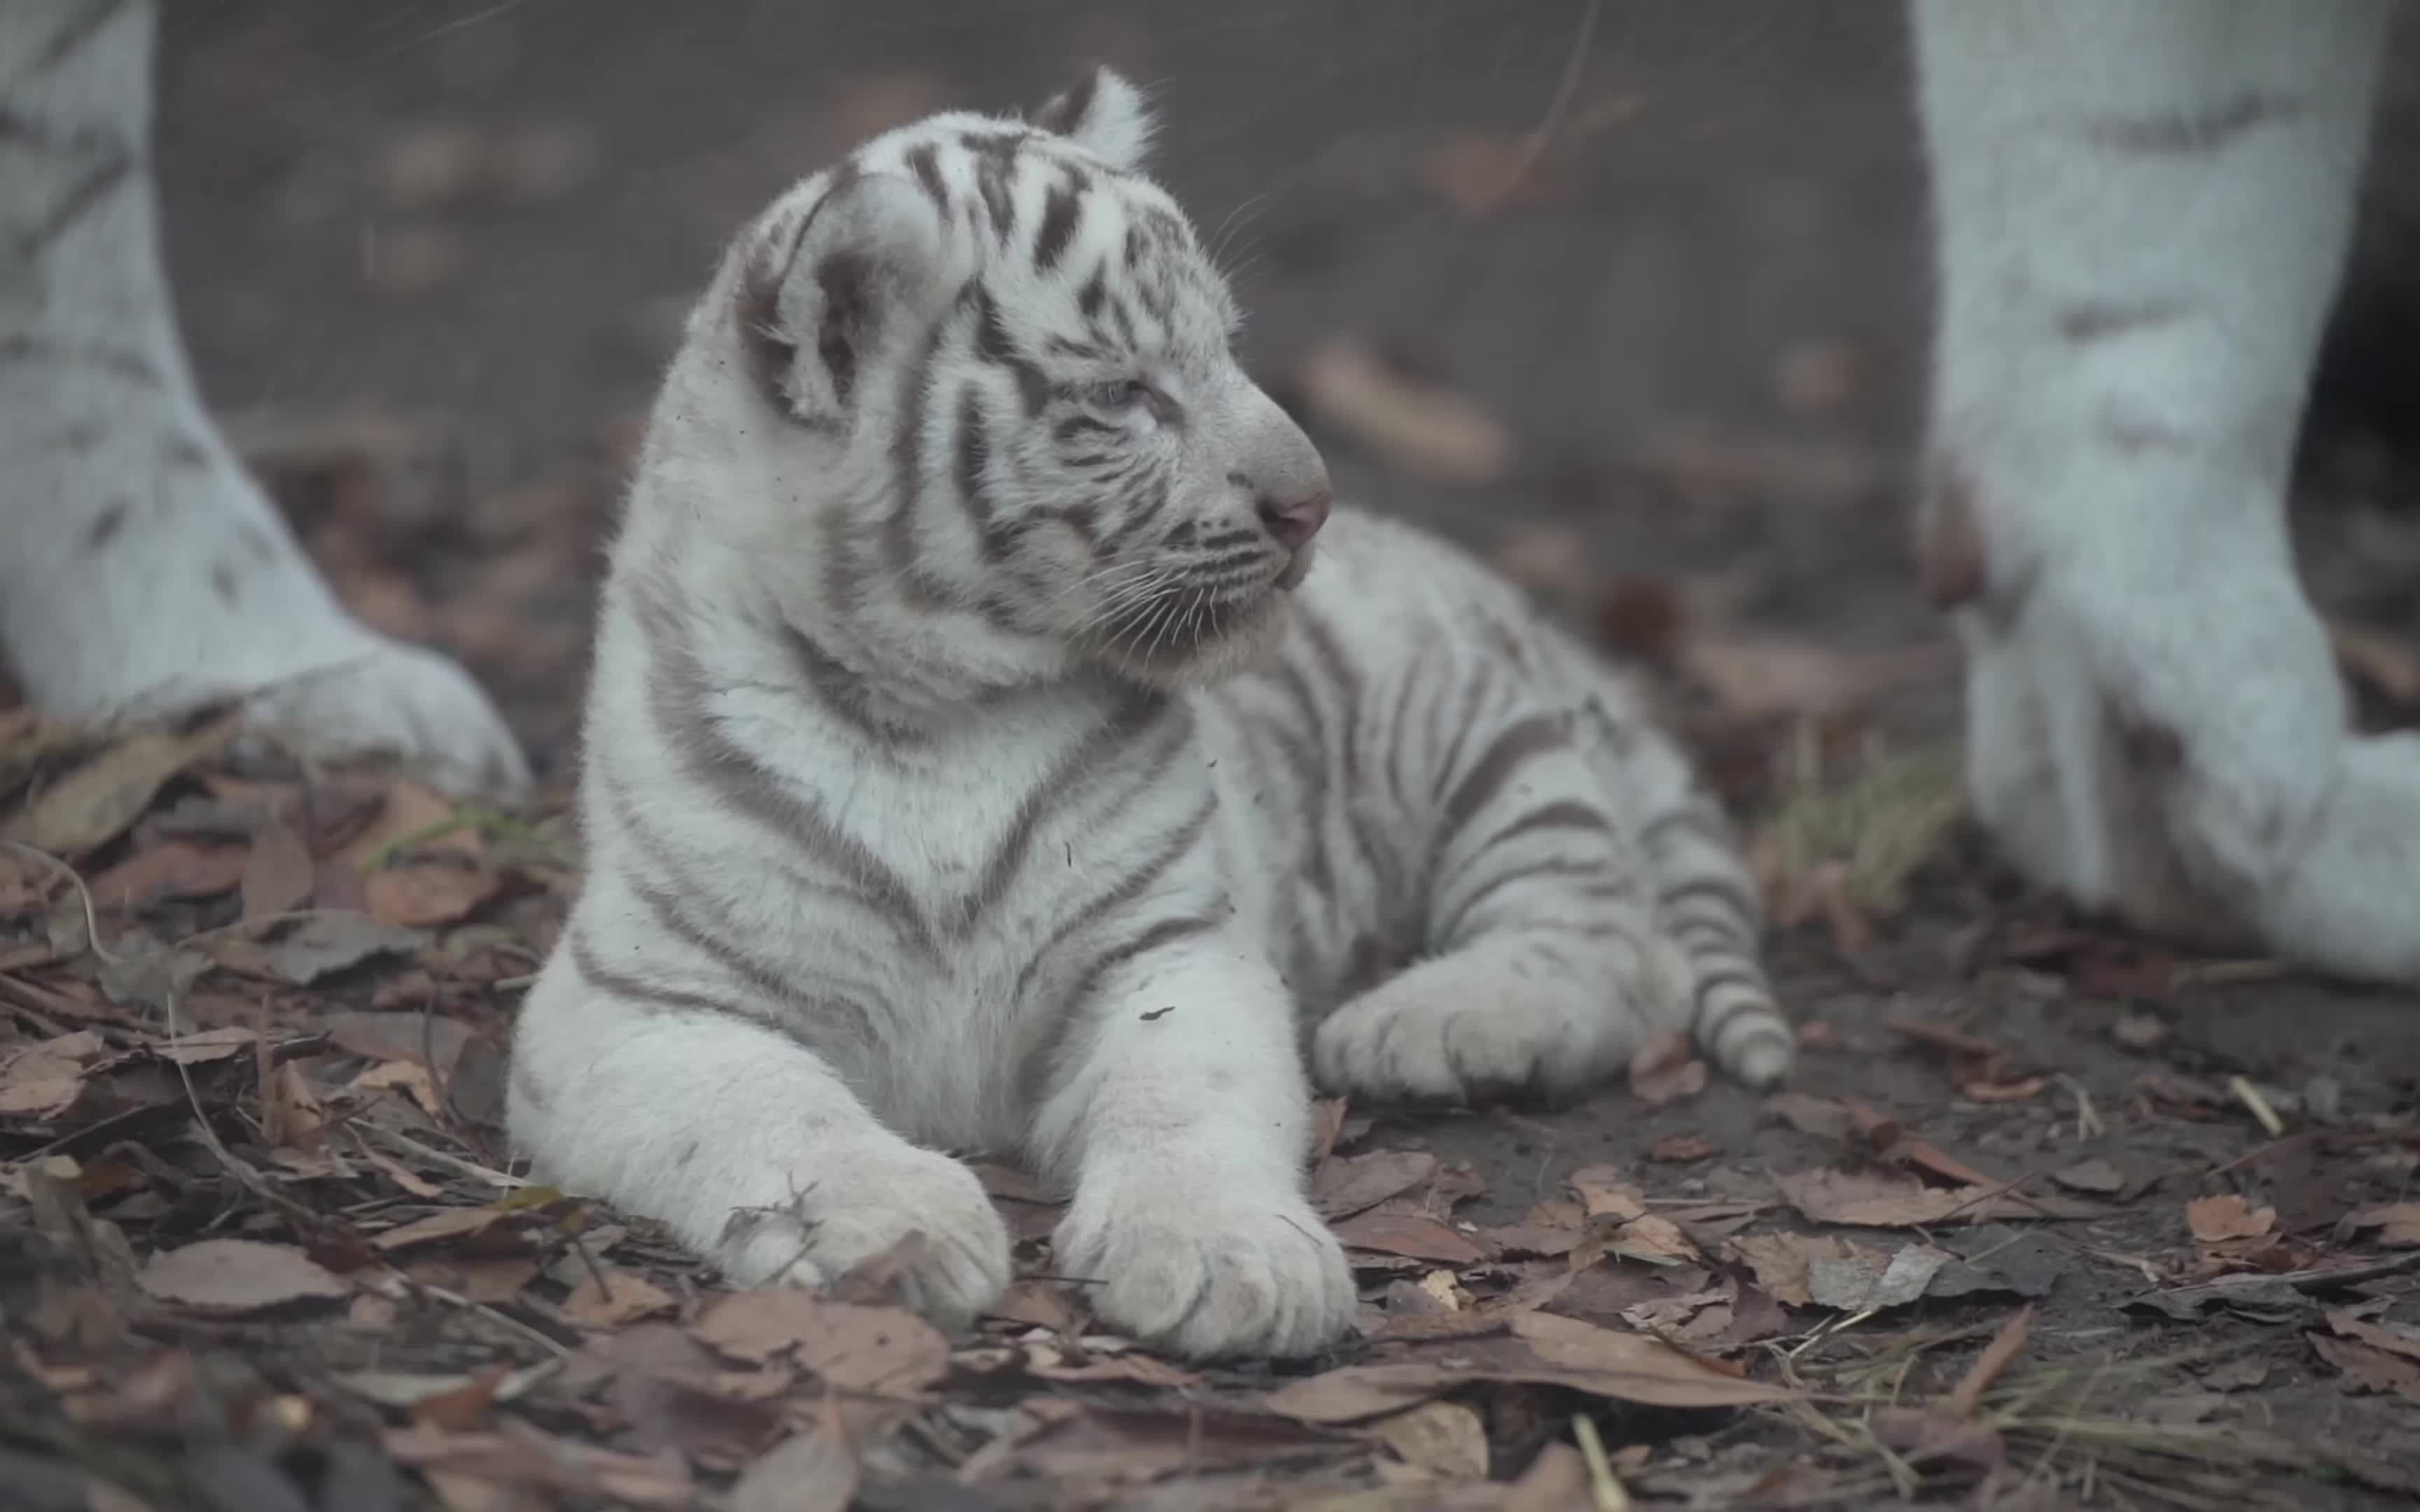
[
  {"x": 1060, "y": 214},
  {"x": 680, "y": 701},
  {"x": 1514, "y": 746}
]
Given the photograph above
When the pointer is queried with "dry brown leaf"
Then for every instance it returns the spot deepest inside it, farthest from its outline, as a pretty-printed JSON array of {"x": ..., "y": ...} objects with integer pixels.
[
  {"x": 2096, "y": 1176},
  {"x": 625, "y": 1297},
  {"x": 94, "y": 804},
  {"x": 1603, "y": 1193},
  {"x": 2397, "y": 1224},
  {"x": 417, "y": 894},
  {"x": 1889, "y": 1139},
  {"x": 1872, "y": 1200},
  {"x": 1666, "y": 1070},
  {"x": 518, "y": 1454},
  {"x": 1446, "y": 1438},
  {"x": 815, "y": 1471},
  {"x": 278, "y": 873},
  {"x": 1036, "y": 1305},
  {"x": 1344, "y": 1185},
  {"x": 2366, "y": 1368},
  {"x": 414, "y": 812},
  {"x": 1046, "y": 1362},
  {"x": 2227, "y": 1217},
  {"x": 1868, "y": 1280},
  {"x": 174, "y": 869},
  {"x": 1680, "y": 1149},
  {"x": 1654, "y": 1238},
  {"x": 1782, "y": 1263},
  {"x": 2394, "y": 1338},
  {"x": 886, "y": 1350},
  {"x": 1420, "y": 430},
  {"x": 409, "y": 1076},
  {"x": 238, "y": 1275},
  {"x": 1545, "y": 1349},
  {"x": 448, "y": 1222},
  {"x": 1410, "y": 1234},
  {"x": 1328, "y": 1117},
  {"x": 461, "y": 1408}
]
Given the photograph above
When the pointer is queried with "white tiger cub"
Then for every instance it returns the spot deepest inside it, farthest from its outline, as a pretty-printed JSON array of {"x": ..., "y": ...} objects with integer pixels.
[{"x": 975, "y": 760}]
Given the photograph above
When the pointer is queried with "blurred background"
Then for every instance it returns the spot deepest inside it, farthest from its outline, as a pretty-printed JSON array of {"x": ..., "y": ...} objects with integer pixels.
[{"x": 1629, "y": 295}]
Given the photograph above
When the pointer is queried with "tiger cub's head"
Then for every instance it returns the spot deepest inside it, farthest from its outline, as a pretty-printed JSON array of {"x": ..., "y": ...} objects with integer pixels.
[{"x": 996, "y": 366}]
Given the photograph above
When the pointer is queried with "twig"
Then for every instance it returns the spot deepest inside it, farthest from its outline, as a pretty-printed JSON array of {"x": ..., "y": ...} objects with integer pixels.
[
  {"x": 1967, "y": 1394},
  {"x": 2250, "y": 1097},
  {"x": 91, "y": 920},
  {"x": 1603, "y": 1482},
  {"x": 440, "y": 1159}
]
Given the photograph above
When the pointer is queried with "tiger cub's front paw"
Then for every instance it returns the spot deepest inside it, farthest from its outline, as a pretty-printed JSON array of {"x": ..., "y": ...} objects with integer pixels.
[
  {"x": 1208, "y": 1265},
  {"x": 859, "y": 1206}
]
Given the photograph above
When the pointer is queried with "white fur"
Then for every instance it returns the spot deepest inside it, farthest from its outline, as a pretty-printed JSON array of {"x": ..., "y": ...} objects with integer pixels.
[
  {"x": 898, "y": 843},
  {"x": 2143, "y": 207},
  {"x": 142, "y": 570}
]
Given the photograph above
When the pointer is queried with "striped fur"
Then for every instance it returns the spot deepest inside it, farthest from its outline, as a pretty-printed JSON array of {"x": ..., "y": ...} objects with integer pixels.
[{"x": 975, "y": 760}]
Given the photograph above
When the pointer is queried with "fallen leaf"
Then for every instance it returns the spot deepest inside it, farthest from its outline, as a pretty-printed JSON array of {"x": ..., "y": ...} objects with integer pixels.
[
  {"x": 2397, "y": 1338},
  {"x": 1036, "y": 1305},
  {"x": 446, "y": 1223},
  {"x": 461, "y": 1408},
  {"x": 93, "y": 804},
  {"x": 1825, "y": 1117},
  {"x": 623, "y": 1298},
  {"x": 1419, "y": 429},
  {"x": 2095, "y": 1176},
  {"x": 2227, "y": 1217},
  {"x": 238, "y": 1275},
  {"x": 1680, "y": 1150},
  {"x": 1446, "y": 1438},
  {"x": 430, "y": 1039},
  {"x": 170, "y": 870},
  {"x": 417, "y": 817},
  {"x": 328, "y": 943},
  {"x": 1545, "y": 1349},
  {"x": 277, "y": 875},
  {"x": 1782, "y": 1263},
  {"x": 1872, "y": 1200},
  {"x": 1654, "y": 1238},
  {"x": 518, "y": 1455},
  {"x": 1868, "y": 1280},
  {"x": 1666, "y": 1070},
  {"x": 1346, "y": 1185},
  {"x": 422, "y": 893},
  {"x": 1414, "y": 1235},
  {"x": 815, "y": 1471},
  {"x": 407, "y": 1076},
  {"x": 2000, "y": 1258},
  {"x": 2365, "y": 1368},
  {"x": 886, "y": 1350},
  {"x": 1603, "y": 1193},
  {"x": 2397, "y": 1224}
]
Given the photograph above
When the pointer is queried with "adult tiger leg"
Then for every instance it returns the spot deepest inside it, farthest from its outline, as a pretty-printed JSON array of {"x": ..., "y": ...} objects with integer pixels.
[
  {"x": 2142, "y": 214},
  {"x": 142, "y": 570}
]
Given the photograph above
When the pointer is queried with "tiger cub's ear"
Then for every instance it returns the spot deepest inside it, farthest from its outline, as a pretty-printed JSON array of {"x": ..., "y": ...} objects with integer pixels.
[
  {"x": 1106, "y": 116},
  {"x": 825, "y": 293}
]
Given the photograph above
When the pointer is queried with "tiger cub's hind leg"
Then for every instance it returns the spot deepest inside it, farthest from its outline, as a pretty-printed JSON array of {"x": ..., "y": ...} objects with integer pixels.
[{"x": 1549, "y": 965}]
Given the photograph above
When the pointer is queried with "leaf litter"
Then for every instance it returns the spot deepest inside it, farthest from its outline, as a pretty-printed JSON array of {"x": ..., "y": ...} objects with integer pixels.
[{"x": 341, "y": 953}]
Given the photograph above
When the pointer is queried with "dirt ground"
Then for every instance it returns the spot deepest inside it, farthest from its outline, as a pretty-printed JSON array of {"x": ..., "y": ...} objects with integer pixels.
[{"x": 2051, "y": 1216}]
